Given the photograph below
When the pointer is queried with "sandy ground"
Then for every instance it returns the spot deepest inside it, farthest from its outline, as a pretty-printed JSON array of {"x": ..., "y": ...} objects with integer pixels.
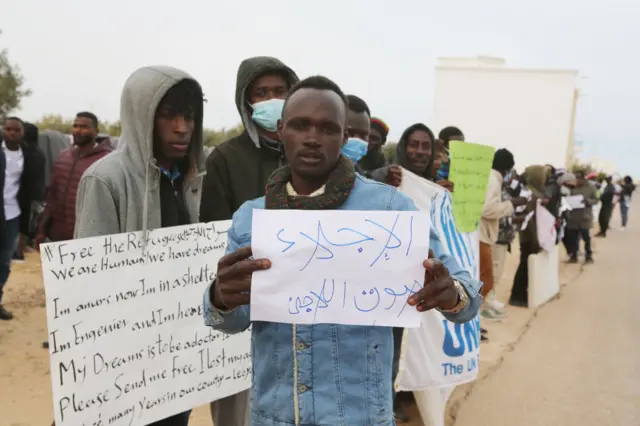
[
  {"x": 25, "y": 388},
  {"x": 579, "y": 361}
]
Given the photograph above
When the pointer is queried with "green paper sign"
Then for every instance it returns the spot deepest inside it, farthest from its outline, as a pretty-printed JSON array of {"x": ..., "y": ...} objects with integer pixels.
[{"x": 469, "y": 171}]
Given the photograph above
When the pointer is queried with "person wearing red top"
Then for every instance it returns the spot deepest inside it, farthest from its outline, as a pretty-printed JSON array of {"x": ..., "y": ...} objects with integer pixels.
[{"x": 59, "y": 217}]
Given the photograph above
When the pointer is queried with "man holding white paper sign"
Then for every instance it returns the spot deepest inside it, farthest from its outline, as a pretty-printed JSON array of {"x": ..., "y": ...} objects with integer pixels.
[
  {"x": 580, "y": 218},
  {"x": 319, "y": 374}
]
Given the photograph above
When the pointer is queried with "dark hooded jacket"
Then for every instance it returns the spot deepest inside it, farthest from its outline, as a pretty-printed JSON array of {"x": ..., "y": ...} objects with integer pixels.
[
  {"x": 536, "y": 178},
  {"x": 402, "y": 160},
  {"x": 401, "y": 149},
  {"x": 238, "y": 169},
  {"x": 372, "y": 161}
]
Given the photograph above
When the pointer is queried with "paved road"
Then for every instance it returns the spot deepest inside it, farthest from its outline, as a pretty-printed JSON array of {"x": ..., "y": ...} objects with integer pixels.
[{"x": 579, "y": 363}]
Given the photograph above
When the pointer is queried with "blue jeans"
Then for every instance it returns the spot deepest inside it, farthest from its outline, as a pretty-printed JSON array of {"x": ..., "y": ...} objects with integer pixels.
[
  {"x": 8, "y": 244},
  {"x": 624, "y": 212}
]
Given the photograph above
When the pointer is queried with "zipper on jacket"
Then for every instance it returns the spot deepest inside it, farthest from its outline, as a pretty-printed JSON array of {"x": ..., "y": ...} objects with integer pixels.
[
  {"x": 66, "y": 188},
  {"x": 186, "y": 186}
]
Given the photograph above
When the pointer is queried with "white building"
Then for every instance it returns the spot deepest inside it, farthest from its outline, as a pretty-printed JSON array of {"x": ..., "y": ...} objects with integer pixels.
[{"x": 531, "y": 112}]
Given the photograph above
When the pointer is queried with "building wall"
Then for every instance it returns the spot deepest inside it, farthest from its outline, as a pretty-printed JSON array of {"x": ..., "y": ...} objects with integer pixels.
[{"x": 528, "y": 111}]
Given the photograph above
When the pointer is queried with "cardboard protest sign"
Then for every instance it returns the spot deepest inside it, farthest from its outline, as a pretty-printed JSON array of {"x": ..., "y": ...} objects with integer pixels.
[{"x": 127, "y": 338}]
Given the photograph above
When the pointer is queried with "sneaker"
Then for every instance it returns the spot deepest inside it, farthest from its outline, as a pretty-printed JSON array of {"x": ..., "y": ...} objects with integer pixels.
[
  {"x": 495, "y": 304},
  {"x": 17, "y": 259},
  {"x": 489, "y": 315},
  {"x": 498, "y": 312},
  {"x": 4, "y": 314},
  {"x": 483, "y": 337},
  {"x": 588, "y": 260},
  {"x": 400, "y": 413},
  {"x": 573, "y": 259}
]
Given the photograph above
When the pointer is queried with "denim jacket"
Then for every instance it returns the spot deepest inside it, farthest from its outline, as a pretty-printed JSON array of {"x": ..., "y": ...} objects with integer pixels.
[{"x": 326, "y": 374}]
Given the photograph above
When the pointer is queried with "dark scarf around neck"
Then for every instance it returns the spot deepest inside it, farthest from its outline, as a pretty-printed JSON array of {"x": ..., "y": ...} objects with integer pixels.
[{"x": 337, "y": 189}]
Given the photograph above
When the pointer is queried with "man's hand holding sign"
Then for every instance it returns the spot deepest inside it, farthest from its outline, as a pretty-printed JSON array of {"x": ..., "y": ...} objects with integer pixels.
[
  {"x": 233, "y": 284},
  {"x": 235, "y": 271}
]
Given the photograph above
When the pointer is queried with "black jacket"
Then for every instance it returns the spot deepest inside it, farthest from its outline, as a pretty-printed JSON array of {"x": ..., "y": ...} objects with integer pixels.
[
  {"x": 31, "y": 184},
  {"x": 238, "y": 169},
  {"x": 3, "y": 165}
]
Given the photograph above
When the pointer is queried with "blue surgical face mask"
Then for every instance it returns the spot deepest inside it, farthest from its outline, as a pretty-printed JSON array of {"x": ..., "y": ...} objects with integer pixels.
[
  {"x": 355, "y": 149},
  {"x": 267, "y": 113}
]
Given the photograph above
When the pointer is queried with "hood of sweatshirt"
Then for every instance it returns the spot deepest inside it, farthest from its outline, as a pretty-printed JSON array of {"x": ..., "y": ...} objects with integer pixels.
[
  {"x": 141, "y": 96},
  {"x": 536, "y": 177},
  {"x": 401, "y": 149},
  {"x": 249, "y": 70}
]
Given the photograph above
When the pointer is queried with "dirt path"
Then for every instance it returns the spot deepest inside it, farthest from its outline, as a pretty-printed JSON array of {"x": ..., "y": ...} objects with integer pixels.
[{"x": 579, "y": 363}]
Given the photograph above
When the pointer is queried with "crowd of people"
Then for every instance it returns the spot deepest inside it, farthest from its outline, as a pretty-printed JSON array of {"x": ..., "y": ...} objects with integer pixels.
[
  {"x": 571, "y": 198},
  {"x": 305, "y": 145}
]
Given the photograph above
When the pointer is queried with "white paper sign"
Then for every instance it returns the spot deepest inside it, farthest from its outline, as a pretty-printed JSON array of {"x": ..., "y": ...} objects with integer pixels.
[
  {"x": 575, "y": 201},
  {"x": 338, "y": 266},
  {"x": 546, "y": 227},
  {"x": 564, "y": 205},
  {"x": 126, "y": 332},
  {"x": 440, "y": 354}
]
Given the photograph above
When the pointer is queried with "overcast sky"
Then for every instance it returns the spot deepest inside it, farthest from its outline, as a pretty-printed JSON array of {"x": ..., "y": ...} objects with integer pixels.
[{"x": 76, "y": 54}]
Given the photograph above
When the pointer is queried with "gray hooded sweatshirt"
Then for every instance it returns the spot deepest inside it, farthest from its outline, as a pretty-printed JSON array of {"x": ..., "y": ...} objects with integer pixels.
[{"x": 121, "y": 192}]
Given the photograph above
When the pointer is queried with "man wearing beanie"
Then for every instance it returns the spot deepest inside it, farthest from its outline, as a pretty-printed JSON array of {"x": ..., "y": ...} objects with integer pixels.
[{"x": 374, "y": 159}]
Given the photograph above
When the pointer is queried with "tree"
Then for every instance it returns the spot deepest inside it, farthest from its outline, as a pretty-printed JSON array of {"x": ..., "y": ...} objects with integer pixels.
[
  {"x": 389, "y": 150},
  {"x": 55, "y": 122},
  {"x": 64, "y": 125},
  {"x": 11, "y": 85},
  {"x": 59, "y": 123},
  {"x": 216, "y": 137}
]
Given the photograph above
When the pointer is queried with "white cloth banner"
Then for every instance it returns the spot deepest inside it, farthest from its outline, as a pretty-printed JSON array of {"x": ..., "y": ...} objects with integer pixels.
[
  {"x": 440, "y": 353},
  {"x": 126, "y": 332}
]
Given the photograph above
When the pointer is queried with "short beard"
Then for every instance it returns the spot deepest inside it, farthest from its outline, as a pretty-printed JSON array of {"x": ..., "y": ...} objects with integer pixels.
[{"x": 83, "y": 142}]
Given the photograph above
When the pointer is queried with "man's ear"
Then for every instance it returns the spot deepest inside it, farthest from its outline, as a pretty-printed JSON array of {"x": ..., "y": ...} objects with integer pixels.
[{"x": 345, "y": 136}]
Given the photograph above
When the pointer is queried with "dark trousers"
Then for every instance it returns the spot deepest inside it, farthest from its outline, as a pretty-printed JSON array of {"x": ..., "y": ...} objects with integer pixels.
[
  {"x": 573, "y": 240},
  {"x": 520, "y": 289},
  {"x": 8, "y": 243},
  {"x": 181, "y": 419},
  {"x": 605, "y": 217},
  {"x": 568, "y": 243}
]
